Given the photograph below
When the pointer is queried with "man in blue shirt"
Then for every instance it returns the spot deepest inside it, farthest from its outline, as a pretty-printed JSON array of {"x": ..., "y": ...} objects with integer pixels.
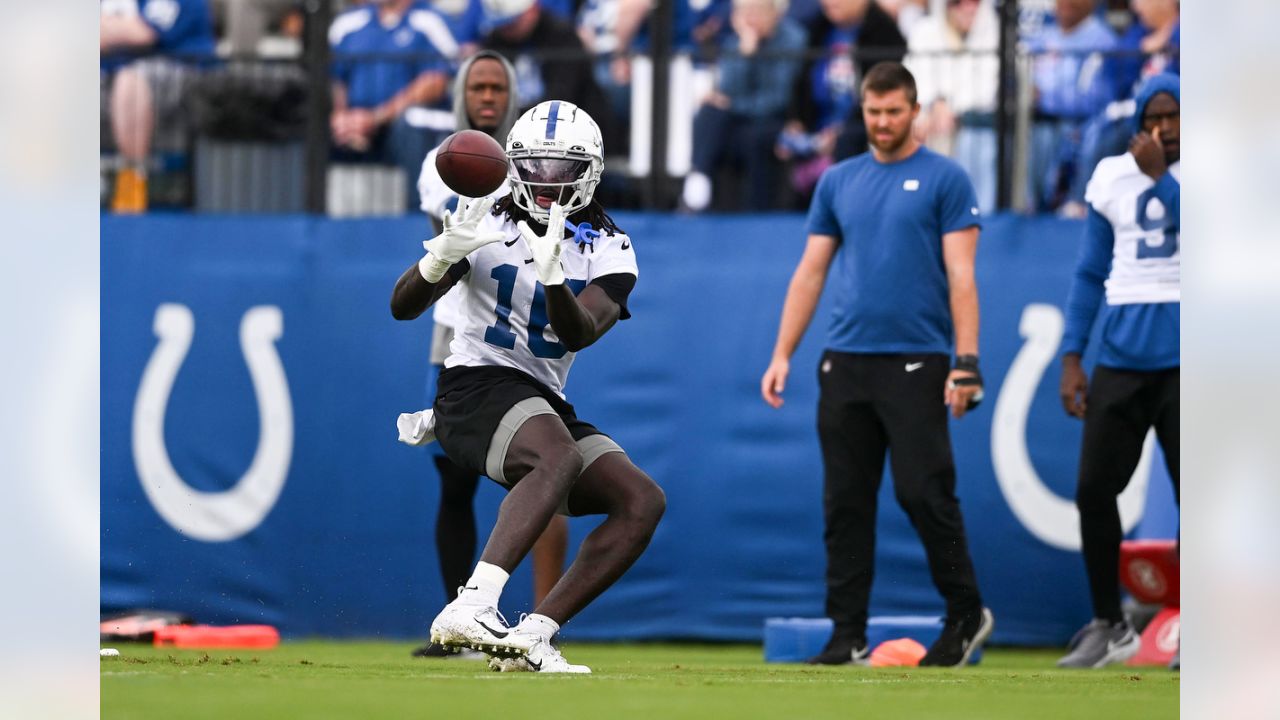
[
  {"x": 896, "y": 229},
  {"x": 147, "y": 52},
  {"x": 1131, "y": 255},
  {"x": 388, "y": 56}
]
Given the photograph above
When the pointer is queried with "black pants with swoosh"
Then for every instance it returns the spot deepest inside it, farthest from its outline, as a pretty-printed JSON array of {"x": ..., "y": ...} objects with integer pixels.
[{"x": 871, "y": 405}]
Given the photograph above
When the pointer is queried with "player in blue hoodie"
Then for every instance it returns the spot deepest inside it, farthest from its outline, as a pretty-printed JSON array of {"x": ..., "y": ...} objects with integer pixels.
[{"x": 1131, "y": 257}]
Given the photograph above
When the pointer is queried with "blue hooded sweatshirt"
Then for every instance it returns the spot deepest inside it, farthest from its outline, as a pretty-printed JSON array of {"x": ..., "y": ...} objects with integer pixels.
[{"x": 1140, "y": 336}]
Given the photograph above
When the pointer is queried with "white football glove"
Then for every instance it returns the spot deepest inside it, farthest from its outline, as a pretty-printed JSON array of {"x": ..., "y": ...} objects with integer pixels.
[
  {"x": 459, "y": 238},
  {"x": 546, "y": 248}
]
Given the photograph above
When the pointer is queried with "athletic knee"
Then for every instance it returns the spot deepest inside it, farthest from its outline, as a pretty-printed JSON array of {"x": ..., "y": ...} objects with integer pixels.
[
  {"x": 651, "y": 506},
  {"x": 644, "y": 507}
]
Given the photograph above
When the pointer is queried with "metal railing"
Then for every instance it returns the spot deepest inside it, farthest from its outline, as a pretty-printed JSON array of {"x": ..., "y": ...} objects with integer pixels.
[{"x": 259, "y": 136}]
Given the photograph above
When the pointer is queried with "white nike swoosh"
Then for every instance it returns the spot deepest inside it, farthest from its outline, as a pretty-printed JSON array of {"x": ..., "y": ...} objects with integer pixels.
[{"x": 912, "y": 367}]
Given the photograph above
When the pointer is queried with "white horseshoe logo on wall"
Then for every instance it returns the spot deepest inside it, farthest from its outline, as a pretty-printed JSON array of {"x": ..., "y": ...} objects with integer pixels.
[
  {"x": 1049, "y": 517},
  {"x": 225, "y": 515}
]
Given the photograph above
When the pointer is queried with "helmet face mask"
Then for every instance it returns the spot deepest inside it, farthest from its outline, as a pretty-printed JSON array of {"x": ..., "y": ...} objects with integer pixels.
[{"x": 556, "y": 153}]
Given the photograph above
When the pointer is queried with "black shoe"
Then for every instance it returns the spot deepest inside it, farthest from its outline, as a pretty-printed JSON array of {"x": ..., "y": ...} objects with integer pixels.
[
  {"x": 432, "y": 651},
  {"x": 959, "y": 639},
  {"x": 843, "y": 650}
]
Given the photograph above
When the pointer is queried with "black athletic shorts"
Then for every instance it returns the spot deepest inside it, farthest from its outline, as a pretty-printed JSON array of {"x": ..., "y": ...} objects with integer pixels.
[{"x": 471, "y": 403}]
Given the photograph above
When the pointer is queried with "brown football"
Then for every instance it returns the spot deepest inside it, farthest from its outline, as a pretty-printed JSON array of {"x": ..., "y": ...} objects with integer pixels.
[{"x": 471, "y": 163}]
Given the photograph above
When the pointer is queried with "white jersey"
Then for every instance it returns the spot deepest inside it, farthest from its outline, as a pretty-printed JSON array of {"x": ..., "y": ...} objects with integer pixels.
[
  {"x": 436, "y": 196},
  {"x": 1147, "y": 263},
  {"x": 503, "y": 307}
]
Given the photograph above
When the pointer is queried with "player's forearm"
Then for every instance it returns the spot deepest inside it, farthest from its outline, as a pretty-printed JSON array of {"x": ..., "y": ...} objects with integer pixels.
[
  {"x": 413, "y": 294},
  {"x": 574, "y": 323},
  {"x": 797, "y": 311},
  {"x": 959, "y": 253},
  {"x": 964, "y": 314}
]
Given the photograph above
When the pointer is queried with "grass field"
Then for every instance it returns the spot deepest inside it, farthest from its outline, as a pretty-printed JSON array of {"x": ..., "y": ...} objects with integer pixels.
[{"x": 380, "y": 680}]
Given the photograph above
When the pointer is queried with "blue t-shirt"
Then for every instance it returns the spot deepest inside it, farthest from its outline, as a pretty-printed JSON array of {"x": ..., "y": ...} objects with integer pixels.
[
  {"x": 183, "y": 28},
  {"x": 421, "y": 36},
  {"x": 888, "y": 279}
]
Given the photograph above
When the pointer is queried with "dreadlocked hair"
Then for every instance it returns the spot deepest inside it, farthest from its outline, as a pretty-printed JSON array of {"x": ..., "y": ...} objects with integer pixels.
[{"x": 593, "y": 214}]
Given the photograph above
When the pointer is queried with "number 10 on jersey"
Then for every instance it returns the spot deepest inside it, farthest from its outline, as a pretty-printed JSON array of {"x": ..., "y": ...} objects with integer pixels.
[{"x": 500, "y": 334}]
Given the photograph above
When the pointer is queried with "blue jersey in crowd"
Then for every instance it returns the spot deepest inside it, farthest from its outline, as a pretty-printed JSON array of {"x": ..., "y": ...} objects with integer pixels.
[
  {"x": 888, "y": 280},
  {"x": 1068, "y": 68},
  {"x": 835, "y": 79},
  {"x": 1126, "y": 68},
  {"x": 420, "y": 34},
  {"x": 182, "y": 27}
]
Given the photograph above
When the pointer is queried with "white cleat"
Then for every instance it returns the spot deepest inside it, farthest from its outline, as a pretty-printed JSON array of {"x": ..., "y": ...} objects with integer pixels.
[
  {"x": 479, "y": 628},
  {"x": 543, "y": 657}
]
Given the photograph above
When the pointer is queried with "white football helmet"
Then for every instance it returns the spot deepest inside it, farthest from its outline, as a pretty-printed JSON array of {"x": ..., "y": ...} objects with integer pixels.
[{"x": 556, "y": 155}]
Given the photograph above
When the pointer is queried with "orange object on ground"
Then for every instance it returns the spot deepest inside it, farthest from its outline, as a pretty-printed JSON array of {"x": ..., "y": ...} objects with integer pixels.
[
  {"x": 903, "y": 652},
  {"x": 130, "y": 193},
  {"x": 210, "y": 636}
]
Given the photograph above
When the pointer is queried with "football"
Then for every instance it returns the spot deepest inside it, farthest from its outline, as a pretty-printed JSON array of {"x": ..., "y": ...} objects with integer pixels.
[{"x": 471, "y": 163}]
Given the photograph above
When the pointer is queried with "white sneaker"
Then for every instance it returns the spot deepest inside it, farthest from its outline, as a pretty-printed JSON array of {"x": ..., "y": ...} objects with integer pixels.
[
  {"x": 543, "y": 657},
  {"x": 479, "y": 628}
]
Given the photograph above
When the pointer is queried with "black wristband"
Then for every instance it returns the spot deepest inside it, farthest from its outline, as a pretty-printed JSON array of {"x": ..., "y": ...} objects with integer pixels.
[{"x": 969, "y": 363}]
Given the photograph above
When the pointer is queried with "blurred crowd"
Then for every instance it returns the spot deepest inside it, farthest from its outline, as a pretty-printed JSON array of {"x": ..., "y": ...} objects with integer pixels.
[{"x": 774, "y": 83}]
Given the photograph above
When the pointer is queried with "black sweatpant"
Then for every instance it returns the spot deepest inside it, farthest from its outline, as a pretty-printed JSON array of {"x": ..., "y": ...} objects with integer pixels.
[
  {"x": 1121, "y": 407},
  {"x": 455, "y": 524},
  {"x": 871, "y": 404}
]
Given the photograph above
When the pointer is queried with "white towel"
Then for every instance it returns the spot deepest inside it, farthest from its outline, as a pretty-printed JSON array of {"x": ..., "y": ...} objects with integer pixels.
[{"x": 417, "y": 428}]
